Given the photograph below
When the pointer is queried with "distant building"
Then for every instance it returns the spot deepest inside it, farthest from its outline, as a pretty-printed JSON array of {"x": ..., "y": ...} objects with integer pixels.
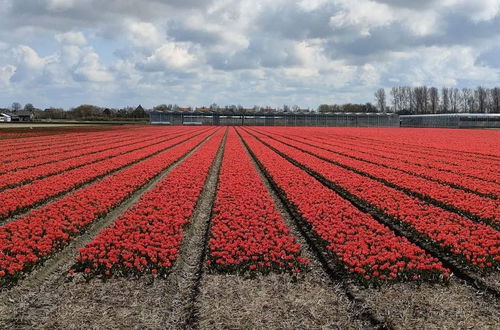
[
  {"x": 452, "y": 120},
  {"x": 5, "y": 117},
  {"x": 17, "y": 116}
]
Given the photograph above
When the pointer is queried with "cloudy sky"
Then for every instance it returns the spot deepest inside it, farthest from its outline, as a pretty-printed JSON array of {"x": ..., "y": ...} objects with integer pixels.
[{"x": 266, "y": 52}]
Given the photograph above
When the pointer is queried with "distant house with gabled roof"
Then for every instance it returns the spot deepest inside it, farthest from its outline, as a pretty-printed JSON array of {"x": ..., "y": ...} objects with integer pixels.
[{"x": 16, "y": 116}]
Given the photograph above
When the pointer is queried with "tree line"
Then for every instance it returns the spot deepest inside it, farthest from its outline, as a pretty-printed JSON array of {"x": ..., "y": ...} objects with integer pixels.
[
  {"x": 83, "y": 112},
  {"x": 406, "y": 100},
  {"x": 431, "y": 100},
  {"x": 402, "y": 100},
  {"x": 348, "y": 107},
  {"x": 92, "y": 112}
]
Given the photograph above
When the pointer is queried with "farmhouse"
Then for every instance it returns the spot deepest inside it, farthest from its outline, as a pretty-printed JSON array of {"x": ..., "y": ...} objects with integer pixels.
[
  {"x": 10, "y": 116},
  {"x": 4, "y": 117}
]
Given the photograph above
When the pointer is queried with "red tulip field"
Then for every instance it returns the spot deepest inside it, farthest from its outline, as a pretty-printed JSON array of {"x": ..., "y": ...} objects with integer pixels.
[{"x": 249, "y": 227}]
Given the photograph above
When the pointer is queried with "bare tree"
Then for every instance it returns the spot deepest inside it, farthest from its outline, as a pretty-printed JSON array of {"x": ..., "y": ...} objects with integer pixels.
[
  {"x": 468, "y": 100},
  {"x": 29, "y": 107},
  {"x": 162, "y": 107},
  {"x": 462, "y": 100},
  {"x": 421, "y": 99},
  {"x": 16, "y": 106},
  {"x": 214, "y": 107},
  {"x": 454, "y": 98},
  {"x": 425, "y": 95},
  {"x": 495, "y": 100},
  {"x": 480, "y": 99},
  {"x": 445, "y": 100},
  {"x": 408, "y": 99},
  {"x": 396, "y": 99},
  {"x": 380, "y": 99},
  {"x": 489, "y": 102},
  {"x": 433, "y": 99}
]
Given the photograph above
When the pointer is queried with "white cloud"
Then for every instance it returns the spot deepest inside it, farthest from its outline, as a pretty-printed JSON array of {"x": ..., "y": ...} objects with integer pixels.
[
  {"x": 144, "y": 34},
  {"x": 60, "y": 4},
  {"x": 478, "y": 10},
  {"x": 6, "y": 72},
  {"x": 309, "y": 5},
  {"x": 426, "y": 24},
  {"x": 300, "y": 72},
  {"x": 442, "y": 66},
  {"x": 72, "y": 38},
  {"x": 169, "y": 56},
  {"x": 370, "y": 75},
  {"x": 29, "y": 58},
  {"x": 91, "y": 70},
  {"x": 362, "y": 16},
  {"x": 71, "y": 55}
]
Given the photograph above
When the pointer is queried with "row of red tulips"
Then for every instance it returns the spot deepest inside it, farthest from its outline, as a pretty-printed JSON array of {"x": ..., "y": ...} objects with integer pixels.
[
  {"x": 18, "y": 160},
  {"x": 40, "y": 142},
  {"x": 366, "y": 248},
  {"x": 247, "y": 232},
  {"x": 34, "y": 237},
  {"x": 60, "y": 143},
  {"x": 18, "y": 134},
  {"x": 477, "y": 243},
  {"x": 17, "y": 199},
  {"x": 481, "y": 143},
  {"x": 22, "y": 133},
  {"x": 77, "y": 158},
  {"x": 45, "y": 136},
  {"x": 473, "y": 204},
  {"x": 147, "y": 237},
  {"x": 428, "y": 171},
  {"x": 474, "y": 165},
  {"x": 461, "y": 164}
]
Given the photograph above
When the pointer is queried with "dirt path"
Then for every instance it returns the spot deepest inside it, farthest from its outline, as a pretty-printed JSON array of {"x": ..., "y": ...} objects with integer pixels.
[
  {"x": 433, "y": 306},
  {"x": 188, "y": 270}
]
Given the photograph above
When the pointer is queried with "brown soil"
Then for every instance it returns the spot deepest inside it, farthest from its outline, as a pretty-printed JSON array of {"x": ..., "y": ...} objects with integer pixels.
[
  {"x": 274, "y": 301},
  {"x": 427, "y": 306},
  {"x": 493, "y": 280},
  {"x": 187, "y": 271}
]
